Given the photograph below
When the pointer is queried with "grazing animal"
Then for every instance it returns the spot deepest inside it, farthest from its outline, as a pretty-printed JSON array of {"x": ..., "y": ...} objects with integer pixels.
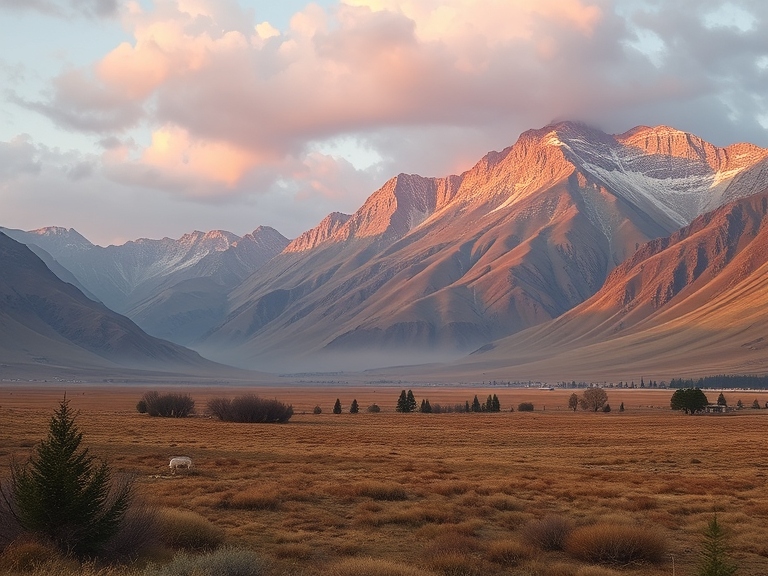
[{"x": 180, "y": 462}]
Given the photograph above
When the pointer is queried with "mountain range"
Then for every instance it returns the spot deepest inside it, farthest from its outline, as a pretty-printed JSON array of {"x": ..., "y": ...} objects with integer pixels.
[
  {"x": 542, "y": 258},
  {"x": 48, "y": 327}
]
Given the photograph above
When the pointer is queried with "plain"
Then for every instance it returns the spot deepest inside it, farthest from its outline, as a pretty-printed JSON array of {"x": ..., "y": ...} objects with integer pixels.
[{"x": 442, "y": 493}]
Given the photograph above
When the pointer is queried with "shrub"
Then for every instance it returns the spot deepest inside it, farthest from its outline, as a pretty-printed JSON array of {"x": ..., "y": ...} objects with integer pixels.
[
  {"x": 223, "y": 562},
  {"x": 616, "y": 544},
  {"x": 170, "y": 405},
  {"x": 253, "y": 499},
  {"x": 249, "y": 408},
  {"x": 188, "y": 530},
  {"x": 525, "y": 407},
  {"x": 548, "y": 533},
  {"x": 317, "y": 410},
  {"x": 373, "y": 408},
  {"x": 607, "y": 408},
  {"x": 62, "y": 495}
]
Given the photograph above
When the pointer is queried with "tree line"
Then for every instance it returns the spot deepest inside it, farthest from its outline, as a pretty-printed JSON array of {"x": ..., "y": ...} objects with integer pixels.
[{"x": 721, "y": 381}]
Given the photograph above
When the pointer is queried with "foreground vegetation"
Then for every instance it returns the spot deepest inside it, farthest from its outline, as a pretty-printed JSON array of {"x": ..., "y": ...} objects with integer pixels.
[{"x": 550, "y": 492}]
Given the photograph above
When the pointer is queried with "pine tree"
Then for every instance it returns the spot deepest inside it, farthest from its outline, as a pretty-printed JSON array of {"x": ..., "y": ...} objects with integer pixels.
[
  {"x": 411, "y": 400},
  {"x": 496, "y": 405},
  {"x": 426, "y": 407},
  {"x": 63, "y": 495},
  {"x": 402, "y": 403},
  {"x": 466, "y": 405},
  {"x": 621, "y": 407},
  {"x": 721, "y": 400},
  {"x": 714, "y": 554},
  {"x": 476, "y": 405},
  {"x": 354, "y": 408},
  {"x": 337, "y": 407}
]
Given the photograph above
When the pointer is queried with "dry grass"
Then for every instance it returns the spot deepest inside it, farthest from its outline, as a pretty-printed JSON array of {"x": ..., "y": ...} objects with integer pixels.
[
  {"x": 617, "y": 544},
  {"x": 433, "y": 494}
]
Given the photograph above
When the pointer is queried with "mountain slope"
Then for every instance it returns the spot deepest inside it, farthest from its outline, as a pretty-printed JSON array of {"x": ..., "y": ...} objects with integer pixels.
[
  {"x": 439, "y": 266},
  {"x": 45, "y": 322},
  {"x": 147, "y": 279},
  {"x": 694, "y": 303}
]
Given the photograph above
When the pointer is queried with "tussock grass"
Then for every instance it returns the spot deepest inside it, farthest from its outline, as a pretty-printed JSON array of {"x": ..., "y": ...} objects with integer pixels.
[
  {"x": 385, "y": 491},
  {"x": 223, "y": 562},
  {"x": 367, "y": 566},
  {"x": 509, "y": 553},
  {"x": 548, "y": 533},
  {"x": 617, "y": 544},
  {"x": 253, "y": 499},
  {"x": 188, "y": 530},
  {"x": 26, "y": 554}
]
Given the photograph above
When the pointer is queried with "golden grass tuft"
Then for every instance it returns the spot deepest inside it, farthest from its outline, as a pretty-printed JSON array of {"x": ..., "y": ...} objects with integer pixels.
[
  {"x": 367, "y": 566},
  {"x": 548, "y": 533},
  {"x": 253, "y": 499},
  {"x": 617, "y": 544},
  {"x": 188, "y": 530},
  {"x": 25, "y": 555},
  {"x": 509, "y": 553}
]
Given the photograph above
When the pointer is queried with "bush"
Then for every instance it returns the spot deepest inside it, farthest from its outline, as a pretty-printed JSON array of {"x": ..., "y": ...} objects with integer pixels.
[
  {"x": 617, "y": 544},
  {"x": 249, "y": 408},
  {"x": 170, "y": 405},
  {"x": 62, "y": 496},
  {"x": 373, "y": 408},
  {"x": 379, "y": 491},
  {"x": 26, "y": 555},
  {"x": 317, "y": 410},
  {"x": 525, "y": 407},
  {"x": 224, "y": 562},
  {"x": 188, "y": 530},
  {"x": 548, "y": 533},
  {"x": 254, "y": 499}
]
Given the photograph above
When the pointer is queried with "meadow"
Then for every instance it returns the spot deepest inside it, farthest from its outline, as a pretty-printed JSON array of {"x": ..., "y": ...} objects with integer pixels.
[{"x": 430, "y": 494}]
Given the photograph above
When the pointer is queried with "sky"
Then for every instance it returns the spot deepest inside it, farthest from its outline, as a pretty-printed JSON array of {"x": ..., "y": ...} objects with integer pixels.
[{"x": 126, "y": 119}]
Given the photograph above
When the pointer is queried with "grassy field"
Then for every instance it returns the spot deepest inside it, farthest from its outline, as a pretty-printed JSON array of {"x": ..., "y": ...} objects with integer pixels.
[{"x": 435, "y": 494}]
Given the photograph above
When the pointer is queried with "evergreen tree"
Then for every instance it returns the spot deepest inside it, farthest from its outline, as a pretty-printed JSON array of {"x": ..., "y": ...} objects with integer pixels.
[
  {"x": 739, "y": 404},
  {"x": 721, "y": 400},
  {"x": 426, "y": 407},
  {"x": 411, "y": 400},
  {"x": 476, "y": 405},
  {"x": 621, "y": 407},
  {"x": 337, "y": 407},
  {"x": 63, "y": 495},
  {"x": 714, "y": 554},
  {"x": 402, "y": 403},
  {"x": 488, "y": 404},
  {"x": 756, "y": 404},
  {"x": 354, "y": 408},
  {"x": 466, "y": 405},
  {"x": 496, "y": 404}
]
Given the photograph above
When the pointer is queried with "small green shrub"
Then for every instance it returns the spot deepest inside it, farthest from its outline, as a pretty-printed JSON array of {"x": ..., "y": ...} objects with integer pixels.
[
  {"x": 525, "y": 407},
  {"x": 617, "y": 544},
  {"x": 188, "y": 530},
  {"x": 548, "y": 533},
  {"x": 223, "y": 562},
  {"x": 373, "y": 408},
  {"x": 317, "y": 410}
]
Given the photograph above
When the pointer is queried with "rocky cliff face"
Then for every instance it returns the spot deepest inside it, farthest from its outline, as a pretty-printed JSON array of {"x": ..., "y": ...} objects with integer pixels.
[{"x": 443, "y": 265}]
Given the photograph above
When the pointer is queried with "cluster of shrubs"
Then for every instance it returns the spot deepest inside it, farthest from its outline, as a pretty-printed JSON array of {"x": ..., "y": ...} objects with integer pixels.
[
  {"x": 245, "y": 408},
  {"x": 169, "y": 405},
  {"x": 249, "y": 408}
]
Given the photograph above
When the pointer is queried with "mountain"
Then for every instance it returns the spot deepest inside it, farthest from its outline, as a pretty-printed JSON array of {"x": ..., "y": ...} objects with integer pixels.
[
  {"x": 429, "y": 268},
  {"x": 49, "y": 326},
  {"x": 691, "y": 304},
  {"x": 148, "y": 279}
]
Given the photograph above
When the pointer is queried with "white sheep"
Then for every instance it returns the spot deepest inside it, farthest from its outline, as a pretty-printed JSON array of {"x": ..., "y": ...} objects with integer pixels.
[{"x": 180, "y": 462}]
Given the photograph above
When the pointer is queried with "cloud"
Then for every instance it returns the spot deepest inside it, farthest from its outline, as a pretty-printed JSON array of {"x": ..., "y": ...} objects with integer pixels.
[
  {"x": 237, "y": 110},
  {"x": 65, "y": 9}
]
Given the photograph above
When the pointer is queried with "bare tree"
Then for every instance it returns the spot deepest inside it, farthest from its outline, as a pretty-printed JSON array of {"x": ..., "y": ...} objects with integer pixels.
[
  {"x": 593, "y": 399},
  {"x": 573, "y": 402}
]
